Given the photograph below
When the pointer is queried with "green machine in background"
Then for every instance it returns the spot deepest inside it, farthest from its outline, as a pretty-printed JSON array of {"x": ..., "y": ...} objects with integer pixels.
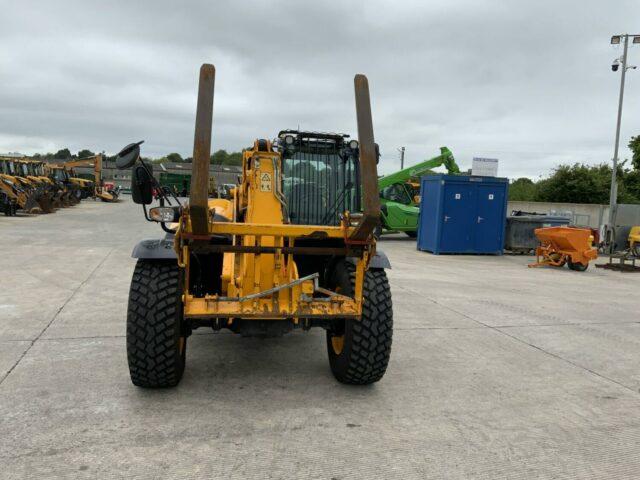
[
  {"x": 400, "y": 191},
  {"x": 176, "y": 181},
  {"x": 181, "y": 183}
]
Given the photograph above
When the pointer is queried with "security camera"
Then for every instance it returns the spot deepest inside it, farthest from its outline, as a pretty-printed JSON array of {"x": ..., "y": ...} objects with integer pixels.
[{"x": 615, "y": 65}]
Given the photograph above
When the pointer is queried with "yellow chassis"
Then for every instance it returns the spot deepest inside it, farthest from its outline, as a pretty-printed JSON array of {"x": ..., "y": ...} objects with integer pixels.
[
  {"x": 289, "y": 297},
  {"x": 256, "y": 247}
]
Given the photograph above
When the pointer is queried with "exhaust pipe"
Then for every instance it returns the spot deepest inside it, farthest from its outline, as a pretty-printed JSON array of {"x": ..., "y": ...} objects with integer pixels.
[
  {"x": 198, "y": 201},
  {"x": 368, "y": 162}
]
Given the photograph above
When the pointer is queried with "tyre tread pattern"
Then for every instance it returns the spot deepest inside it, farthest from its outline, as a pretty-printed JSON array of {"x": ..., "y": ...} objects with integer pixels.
[
  {"x": 153, "y": 325},
  {"x": 372, "y": 335}
]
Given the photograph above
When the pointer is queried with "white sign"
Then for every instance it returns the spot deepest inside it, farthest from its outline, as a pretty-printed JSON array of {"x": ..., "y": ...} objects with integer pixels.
[{"x": 484, "y": 167}]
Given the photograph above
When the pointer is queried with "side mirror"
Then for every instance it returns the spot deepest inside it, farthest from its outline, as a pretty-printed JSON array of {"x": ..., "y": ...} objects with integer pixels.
[
  {"x": 128, "y": 155},
  {"x": 141, "y": 186}
]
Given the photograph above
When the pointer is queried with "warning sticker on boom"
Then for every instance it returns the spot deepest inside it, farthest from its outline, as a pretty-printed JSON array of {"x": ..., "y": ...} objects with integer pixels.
[{"x": 265, "y": 182}]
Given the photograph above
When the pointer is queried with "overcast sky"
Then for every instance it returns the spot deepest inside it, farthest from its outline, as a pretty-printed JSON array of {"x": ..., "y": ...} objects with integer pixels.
[{"x": 529, "y": 83}]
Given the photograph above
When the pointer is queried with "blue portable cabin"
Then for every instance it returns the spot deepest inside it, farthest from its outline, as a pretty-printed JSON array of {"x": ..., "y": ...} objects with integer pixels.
[{"x": 462, "y": 214}]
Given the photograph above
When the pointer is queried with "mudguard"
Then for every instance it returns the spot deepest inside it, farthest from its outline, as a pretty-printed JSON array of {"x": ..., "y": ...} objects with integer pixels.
[
  {"x": 155, "y": 249},
  {"x": 379, "y": 260}
]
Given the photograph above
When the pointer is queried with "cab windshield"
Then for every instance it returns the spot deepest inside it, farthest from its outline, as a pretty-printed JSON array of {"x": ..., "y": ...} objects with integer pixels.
[
  {"x": 320, "y": 181},
  {"x": 59, "y": 174}
]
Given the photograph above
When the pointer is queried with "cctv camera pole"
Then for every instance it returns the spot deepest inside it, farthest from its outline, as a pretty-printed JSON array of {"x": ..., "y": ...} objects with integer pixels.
[{"x": 613, "y": 195}]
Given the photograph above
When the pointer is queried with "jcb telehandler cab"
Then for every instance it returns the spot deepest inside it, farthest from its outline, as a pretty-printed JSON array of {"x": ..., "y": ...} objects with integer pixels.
[{"x": 293, "y": 248}]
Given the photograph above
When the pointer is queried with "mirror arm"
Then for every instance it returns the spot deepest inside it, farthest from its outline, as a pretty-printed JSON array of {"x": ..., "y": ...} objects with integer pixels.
[
  {"x": 156, "y": 184},
  {"x": 146, "y": 215}
]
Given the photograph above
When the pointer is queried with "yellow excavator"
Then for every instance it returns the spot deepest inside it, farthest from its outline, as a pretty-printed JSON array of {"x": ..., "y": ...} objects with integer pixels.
[
  {"x": 96, "y": 187},
  {"x": 292, "y": 249}
]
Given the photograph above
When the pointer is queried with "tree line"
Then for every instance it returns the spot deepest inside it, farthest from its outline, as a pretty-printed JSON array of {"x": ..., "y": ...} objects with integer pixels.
[
  {"x": 220, "y": 157},
  {"x": 579, "y": 183}
]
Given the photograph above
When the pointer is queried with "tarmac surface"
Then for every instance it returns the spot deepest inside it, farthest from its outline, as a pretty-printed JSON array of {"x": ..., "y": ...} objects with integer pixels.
[{"x": 497, "y": 371}]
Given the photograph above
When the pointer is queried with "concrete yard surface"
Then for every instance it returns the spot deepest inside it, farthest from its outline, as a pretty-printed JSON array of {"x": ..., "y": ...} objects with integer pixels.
[{"x": 497, "y": 371}]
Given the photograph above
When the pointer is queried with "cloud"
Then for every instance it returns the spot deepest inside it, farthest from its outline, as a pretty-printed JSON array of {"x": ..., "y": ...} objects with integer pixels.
[{"x": 526, "y": 82}]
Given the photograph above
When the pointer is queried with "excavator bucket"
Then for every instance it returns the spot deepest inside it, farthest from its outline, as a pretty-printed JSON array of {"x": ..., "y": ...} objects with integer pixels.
[
  {"x": 106, "y": 197},
  {"x": 31, "y": 204},
  {"x": 45, "y": 202},
  {"x": 560, "y": 245}
]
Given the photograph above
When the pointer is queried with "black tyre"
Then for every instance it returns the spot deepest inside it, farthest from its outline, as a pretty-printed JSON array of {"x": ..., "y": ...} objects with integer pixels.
[
  {"x": 577, "y": 266},
  {"x": 5, "y": 204},
  {"x": 412, "y": 234},
  {"x": 636, "y": 250},
  {"x": 156, "y": 334},
  {"x": 359, "y": 350}
]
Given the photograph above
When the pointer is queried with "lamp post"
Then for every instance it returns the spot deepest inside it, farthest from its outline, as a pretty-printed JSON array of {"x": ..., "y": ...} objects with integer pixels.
[
  {"x": 613, "y": 194},
  {"x": 401, "y": 150}
]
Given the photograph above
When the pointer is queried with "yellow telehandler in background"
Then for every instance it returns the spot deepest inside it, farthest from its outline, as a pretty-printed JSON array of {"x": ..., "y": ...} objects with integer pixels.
[{"x": 293, "y": 248}]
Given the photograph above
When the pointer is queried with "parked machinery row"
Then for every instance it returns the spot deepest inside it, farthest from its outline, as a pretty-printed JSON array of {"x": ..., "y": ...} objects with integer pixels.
[{"x": 35, "y": 187}]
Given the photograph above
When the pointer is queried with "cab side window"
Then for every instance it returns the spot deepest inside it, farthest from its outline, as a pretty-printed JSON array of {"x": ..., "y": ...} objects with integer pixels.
[{"x": 395, "y": 193}]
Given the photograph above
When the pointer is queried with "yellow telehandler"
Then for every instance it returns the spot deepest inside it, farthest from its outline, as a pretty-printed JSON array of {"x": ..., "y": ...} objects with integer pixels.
[{"x": 293, "y": 248}]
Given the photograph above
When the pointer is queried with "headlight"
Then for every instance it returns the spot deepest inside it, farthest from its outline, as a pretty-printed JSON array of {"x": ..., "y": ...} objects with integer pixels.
[
  {"x": 353, "y": 144},
  {"x": 289, "y": 139},
  {"x": 165, "y": 214}
]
